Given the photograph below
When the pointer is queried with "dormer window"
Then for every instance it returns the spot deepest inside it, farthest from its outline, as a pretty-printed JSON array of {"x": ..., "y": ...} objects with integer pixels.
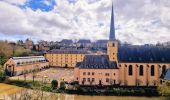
[
  {"x": 140, "y": 59},
  {"x": 163, "y": 59},
  {"x": 151, "y": 59},
  {"x": 97, "y": 66}
]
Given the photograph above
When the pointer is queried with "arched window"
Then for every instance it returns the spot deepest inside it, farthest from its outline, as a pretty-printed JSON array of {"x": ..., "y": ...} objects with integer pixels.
[
  {"x": 163, "y": 69},
  {"x": 141, "y": 70},
  {"x": 130, "y": 70},
  {"x": 152, "y": 70}
]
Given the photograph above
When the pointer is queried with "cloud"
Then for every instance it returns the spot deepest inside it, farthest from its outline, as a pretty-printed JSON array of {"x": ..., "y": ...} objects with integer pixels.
[
  {"x": 15, "y": 2},
  {"x": 47, "y": 2},
  {"x": 137, "y": 22}
]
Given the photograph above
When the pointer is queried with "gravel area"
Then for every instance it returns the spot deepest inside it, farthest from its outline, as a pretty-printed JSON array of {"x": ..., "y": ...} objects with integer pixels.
[{"x": 49, "y": 74}]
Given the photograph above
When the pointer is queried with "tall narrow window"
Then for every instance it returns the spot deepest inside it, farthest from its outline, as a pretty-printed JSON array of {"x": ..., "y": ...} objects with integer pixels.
[
  {"x": 88, "y": 79},
  {"x": 84, "y": 79},
  {"x": 113, "y": 44},
  {"x": 163, "y": 69},
  {"x": 107, "y": 80},
  {"x": 114, "y": 81},
  {"x": 141, "y": 70},
  {"x": 152, "y": 70},
  {"x": 130, "y": 70}
]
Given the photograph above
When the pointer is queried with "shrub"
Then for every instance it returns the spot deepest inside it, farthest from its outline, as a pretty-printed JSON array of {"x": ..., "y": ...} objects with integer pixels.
[
  {"x": 54, "y": 84},
  {"x": 19, "y": 83},
  {"x": 62, "y": 86},
  {"x": 164, "y": 90},
  {"x": 2, "y": 79},
  {"x": 46, "y": 88}
]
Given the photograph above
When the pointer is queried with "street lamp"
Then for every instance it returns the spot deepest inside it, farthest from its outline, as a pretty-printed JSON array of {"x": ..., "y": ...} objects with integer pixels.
[{"x": 45, "y": 77}]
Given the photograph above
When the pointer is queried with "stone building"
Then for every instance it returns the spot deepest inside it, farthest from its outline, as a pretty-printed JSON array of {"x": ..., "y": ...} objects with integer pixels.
[
  {"x": 101, "y": 44},
  {"x": 65, "y": 58},
  {"x": 96, "y": 70},
  {"x": 21, "y": 65},
  {"x": 29, "y": 44},
  {"x": 42, "y": 46}
]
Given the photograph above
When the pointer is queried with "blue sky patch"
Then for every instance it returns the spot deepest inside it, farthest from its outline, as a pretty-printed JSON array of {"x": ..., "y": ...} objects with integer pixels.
[{"x": 43, "y": 5}]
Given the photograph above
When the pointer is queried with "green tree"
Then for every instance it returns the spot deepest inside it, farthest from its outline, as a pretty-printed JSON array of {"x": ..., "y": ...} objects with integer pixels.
[
  {"x": 21, "y": 51},
  {"x": 6, "y": 51},
  {"x": 2, "y": 77},
  {"x": 54, "y": 84}
]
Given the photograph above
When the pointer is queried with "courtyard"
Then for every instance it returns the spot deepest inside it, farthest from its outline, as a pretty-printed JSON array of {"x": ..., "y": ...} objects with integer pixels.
[{"x": 48, "y": 75}]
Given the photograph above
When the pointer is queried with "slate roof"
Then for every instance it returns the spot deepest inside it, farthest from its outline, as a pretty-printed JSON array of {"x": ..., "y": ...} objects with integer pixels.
[
  {"x": 144, "y": 54},
  {"x": 167, "y": 75},
  {"x": 96, "y": 62},
  {"x": 66, "y": 41},
  {"x": 102, "y": 41},
  {"x": 60, "y": 51},
  {"x": 84, "y": 41}
]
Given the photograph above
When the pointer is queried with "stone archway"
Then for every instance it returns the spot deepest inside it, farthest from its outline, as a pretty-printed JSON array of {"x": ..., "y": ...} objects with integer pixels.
[
  {"x": 9, "y": 70},
  {"x": 66, "y": 66}
]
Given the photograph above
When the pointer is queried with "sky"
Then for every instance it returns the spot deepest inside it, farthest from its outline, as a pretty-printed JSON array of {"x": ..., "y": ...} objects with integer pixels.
[{"x": 136, "y": 21}]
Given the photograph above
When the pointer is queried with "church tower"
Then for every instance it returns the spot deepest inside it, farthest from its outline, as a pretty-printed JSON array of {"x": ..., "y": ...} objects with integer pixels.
[{"x": 112, "y": 45}]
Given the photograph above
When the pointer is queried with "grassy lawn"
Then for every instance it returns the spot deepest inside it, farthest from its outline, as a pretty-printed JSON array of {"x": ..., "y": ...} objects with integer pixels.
[{"x": 6, "y": 89}]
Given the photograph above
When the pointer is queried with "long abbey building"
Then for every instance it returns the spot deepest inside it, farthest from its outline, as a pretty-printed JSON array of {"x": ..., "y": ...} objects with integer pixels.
[{"x": 124, "y": 65}]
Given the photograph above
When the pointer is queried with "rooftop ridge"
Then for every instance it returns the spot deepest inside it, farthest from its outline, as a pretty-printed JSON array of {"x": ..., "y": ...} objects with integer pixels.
[{"x": 112, "y": 26}]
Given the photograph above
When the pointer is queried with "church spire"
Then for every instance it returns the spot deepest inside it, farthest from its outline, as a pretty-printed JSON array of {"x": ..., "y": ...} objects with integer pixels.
[{"x": 112, "y": 26}]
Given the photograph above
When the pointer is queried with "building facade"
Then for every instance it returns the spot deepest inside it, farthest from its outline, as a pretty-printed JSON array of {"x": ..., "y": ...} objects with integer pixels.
[
  {"x": 65, "y": 58},
  {"x": 20, "y": 65},
  {"x": 101, "y": 44},
  {"x": 96, "y": 70}
]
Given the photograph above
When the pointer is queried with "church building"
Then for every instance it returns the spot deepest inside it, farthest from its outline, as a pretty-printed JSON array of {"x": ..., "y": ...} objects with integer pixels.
[{"x": 124, "y": 65}]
